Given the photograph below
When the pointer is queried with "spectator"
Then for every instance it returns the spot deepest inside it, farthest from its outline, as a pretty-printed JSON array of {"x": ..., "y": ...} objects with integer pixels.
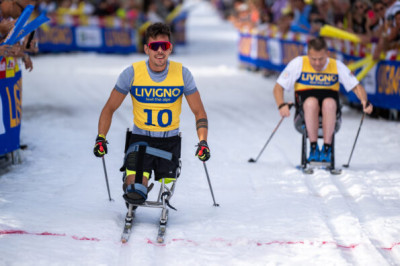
[
  {"x": 393, "y": 7},
  {"x": 358, "y": 17},
  {"x": 10, "y": 50},
  {"x": 11, "y": 10},
  {"x": 151, "y": 12},
  {"x": 285, "y": 21},
  {"x": 47, "y": 6},
  {"x": 101, "y": 9},
  {"x": 321, "y": 13},
  {"x": 301, "y": 12},
  {"x": 277, "y": 9},
  {"x": 81, "y": 7},
  {"x": 5, "y": 27},
  {"x": 393, "y": 38},
  {"x": 378, "y": 22},
  {"x": 242, "y": 16},
  {"x": 340, "y": 11},
  {"x": 65, "y": 7}
]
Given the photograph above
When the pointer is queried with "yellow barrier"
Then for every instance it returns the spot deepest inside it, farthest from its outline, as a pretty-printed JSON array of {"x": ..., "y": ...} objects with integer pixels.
[
  {"x": 366, "y": 69},
  {"x": 333, "y": 32},
  {"x": 367, "y": 63},
  {"x": 357, "y": 64}
]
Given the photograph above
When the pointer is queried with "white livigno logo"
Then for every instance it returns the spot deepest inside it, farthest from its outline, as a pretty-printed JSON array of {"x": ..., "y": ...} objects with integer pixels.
[{"x": 88, "y": 37}]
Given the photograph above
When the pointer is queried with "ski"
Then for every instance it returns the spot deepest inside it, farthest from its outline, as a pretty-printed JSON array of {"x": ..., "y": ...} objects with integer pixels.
[
  {"x": 163, "y": 226},
  {"x": 309, "y": 170},
  {"x": 128, "y": 225},
  {"x": 161, "y": 233},
  {"x": 335, "y": 171}
]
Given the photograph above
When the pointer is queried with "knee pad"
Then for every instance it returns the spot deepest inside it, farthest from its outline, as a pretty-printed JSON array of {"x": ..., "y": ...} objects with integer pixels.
[
  {"x": 134, "y": 162},
  {"x": 131, "y": 161}
]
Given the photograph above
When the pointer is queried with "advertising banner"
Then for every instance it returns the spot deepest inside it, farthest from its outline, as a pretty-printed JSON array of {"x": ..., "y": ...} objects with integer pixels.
[
  {"x": 68, "y": 38},
  {"x": 10, "y": 106}
]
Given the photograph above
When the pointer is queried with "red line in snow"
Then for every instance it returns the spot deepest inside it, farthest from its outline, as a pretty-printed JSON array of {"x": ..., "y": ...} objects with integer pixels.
[
  {"x": 393, "y": 245},
  {"x": 283, "y": 243},
  {"x": 21, "y": 232},
  {"x": 194, "y": 243}
]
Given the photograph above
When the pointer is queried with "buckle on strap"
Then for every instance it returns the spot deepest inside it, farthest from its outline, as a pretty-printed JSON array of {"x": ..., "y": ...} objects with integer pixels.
[{"x": 151, "y": 151}]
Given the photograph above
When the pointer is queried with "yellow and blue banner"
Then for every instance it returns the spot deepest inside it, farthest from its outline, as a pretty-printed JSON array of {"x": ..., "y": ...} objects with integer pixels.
[
  {"x": 62, "y": 35},
  {"x": 10, "y": 105}
]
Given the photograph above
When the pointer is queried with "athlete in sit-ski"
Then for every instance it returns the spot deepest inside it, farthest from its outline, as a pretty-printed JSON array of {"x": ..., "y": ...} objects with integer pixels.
[
  {"x": 315, "y": 78},
  {"x": 156, "y": 86}
]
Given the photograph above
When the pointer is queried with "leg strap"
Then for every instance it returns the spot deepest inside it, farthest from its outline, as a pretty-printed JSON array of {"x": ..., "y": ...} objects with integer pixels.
[
  {"x": 134, "y": 161},
  {"x": 139, "y": 165}
]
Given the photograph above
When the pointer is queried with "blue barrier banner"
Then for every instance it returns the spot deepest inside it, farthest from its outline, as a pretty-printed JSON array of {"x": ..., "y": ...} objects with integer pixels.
[
  {"x": 10, "y": 113},
  {"x": 58, "y": 38}
]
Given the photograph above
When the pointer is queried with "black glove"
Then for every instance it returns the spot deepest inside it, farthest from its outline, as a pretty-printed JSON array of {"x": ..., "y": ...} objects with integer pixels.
[
  {"x": 100, "y": 148},
  {"x": 203, "y": 152}
]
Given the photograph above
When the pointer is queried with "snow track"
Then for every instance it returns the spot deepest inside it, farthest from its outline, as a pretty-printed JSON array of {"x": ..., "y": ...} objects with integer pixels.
[
  {"x": 54, "y": 208},
  {"x": 345, "y": 221}
]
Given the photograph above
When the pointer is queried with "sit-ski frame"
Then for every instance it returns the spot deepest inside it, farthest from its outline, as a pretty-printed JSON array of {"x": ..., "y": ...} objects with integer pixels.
[{"x": 162, "y": 202}]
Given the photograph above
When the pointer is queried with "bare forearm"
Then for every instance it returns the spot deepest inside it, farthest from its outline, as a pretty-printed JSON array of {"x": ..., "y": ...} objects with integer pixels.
[
  {"x": 360, "y": 93},
  {"x": 278, "y": 94},
  {"x": 105, "y": 121},
  {"x": 202, "y": 126},
  {"x": 113, "y": 102}
]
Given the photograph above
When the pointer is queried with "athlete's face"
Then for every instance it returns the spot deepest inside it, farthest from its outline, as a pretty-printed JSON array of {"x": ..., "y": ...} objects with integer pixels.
[
  {"x": 318, "y": 59},
  {"x": 158, "y": 58}
]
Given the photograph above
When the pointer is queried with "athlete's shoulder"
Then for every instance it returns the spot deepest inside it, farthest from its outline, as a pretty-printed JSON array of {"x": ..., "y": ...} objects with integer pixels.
[
  {"x": 175, "y": 64},
  {"x": 296, "y": 62},
  {"x": 139, "y": 63}
]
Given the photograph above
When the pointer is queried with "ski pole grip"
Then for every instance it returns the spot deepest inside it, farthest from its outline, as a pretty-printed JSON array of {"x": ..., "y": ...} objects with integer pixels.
[{"x": 284, "y": 104}]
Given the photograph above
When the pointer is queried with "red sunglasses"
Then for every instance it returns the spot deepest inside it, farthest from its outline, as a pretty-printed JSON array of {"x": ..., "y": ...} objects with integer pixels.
[{"x": 163, "y": 44}]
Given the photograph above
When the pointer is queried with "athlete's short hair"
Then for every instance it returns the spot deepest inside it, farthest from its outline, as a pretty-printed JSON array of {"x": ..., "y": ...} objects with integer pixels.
[
  {"x": 317, "y": 44},
  {"x": 157, "y": 29}
]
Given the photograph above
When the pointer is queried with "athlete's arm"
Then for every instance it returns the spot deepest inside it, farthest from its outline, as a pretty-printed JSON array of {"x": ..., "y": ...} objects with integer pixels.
[
  {"x": 279, "y": 99},
  {"x": 196, "y": 105},
  {"x": 114, "y": 101},
  {"x": 362, "y": 96}
]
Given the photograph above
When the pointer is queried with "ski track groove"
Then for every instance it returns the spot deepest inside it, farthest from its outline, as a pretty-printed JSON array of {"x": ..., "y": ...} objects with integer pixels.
[
  {"x": 352, "y": 214},
  {"x": 335, "y": 236},
  {"x": 353, "y": 206}
]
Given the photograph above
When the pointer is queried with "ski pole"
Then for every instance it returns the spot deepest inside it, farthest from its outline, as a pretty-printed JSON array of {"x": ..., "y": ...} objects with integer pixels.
[
  {"x": 105, "y": 174},
  {"x": 355, "y": 141},
  {"x": 209, "y": 183},
  {"x": 251, "y": 160}
]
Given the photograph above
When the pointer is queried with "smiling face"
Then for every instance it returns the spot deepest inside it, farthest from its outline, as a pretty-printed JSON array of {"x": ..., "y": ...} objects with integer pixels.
[{"x": 158, "y": 59}]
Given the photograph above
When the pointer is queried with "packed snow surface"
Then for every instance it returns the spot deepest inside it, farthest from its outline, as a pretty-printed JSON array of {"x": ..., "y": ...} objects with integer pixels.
[{"x": 54, "y": 207}]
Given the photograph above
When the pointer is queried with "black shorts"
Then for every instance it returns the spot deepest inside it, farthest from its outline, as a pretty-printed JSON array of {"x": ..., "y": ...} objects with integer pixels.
[
  {"x": 162, "y": 167},
  {"x": 321, "y": 95}
]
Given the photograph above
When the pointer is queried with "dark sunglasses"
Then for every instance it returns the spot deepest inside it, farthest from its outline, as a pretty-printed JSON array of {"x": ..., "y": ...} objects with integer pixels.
[{"x": 155, "y": 45}]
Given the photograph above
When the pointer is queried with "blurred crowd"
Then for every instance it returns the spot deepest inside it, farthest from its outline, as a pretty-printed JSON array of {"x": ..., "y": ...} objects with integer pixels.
[
  {"x": 10, "y": 11},
  {"x": 375, "y": 21},
  {"x": 136, "y": 14},
  {"x": 133, "y": 10}
]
